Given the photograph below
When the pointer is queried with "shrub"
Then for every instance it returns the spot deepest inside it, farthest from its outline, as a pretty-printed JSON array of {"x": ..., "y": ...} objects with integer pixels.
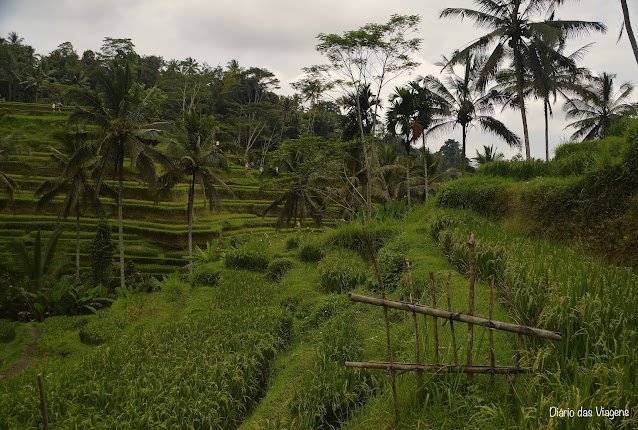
[
  {"x": 310, "y": 252},
  {"x": 292, "y": 243},
  {"x": 7, "y": 331},
  {"x": 351, "y": 237},
  {"x": 278, "y": 268},
  {"x": 101, "y": 252},
  {"x": 206, "y": 275},
  {"x": 341, "y": 271},
  {"x": 247, "y": 259},
  {"x": 98, "y": 331},
  {"x": 173, "y": 287},
  {"x": 391, "y": 265}
]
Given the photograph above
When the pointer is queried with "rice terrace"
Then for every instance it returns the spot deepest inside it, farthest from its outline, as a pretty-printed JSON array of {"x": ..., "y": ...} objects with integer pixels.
[{"x": 399, "y": 218}]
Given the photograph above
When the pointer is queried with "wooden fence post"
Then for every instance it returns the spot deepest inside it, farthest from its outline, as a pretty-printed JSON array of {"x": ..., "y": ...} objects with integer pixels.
[
  {"x": 435, "y": 320},
  {"x": 449, "y": 308},
  {"x": 43, "y": 403},
  {"x": 470, "y": 328},
  {"x": 492, "y": 358},
  {"x": 417, "y": 346}
]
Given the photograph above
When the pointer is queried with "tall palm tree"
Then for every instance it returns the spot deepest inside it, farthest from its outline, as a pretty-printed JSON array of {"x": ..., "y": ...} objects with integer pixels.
[
  {"x": 464, "y": 103},
  {"x": 549, "y": 74},
  {"x": 195, "y": 156},
  {"x": 40, "y": 76},
  {"x": 512, "y": 26},
  {"x": 600, "y": 107},
  {"x": 117, "y": 114},
  {"x": 628, "y": 29},
  {"x": 401, "y": 120},
  {"x": 74, "y": 184}
]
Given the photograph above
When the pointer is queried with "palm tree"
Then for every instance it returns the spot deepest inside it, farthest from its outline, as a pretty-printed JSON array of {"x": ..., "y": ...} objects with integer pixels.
[
  {"x": 511, "y": 28},
  {"x": 38, "y": 78},
  {"x": 489, "y": 155},
  {"x": 627, "y": 27},
  {"x": 549, "y": 73},
  {"x": 116, "y": 112},
  {"x": 401, "y": 120},
  {"x": 74, "y": 184},
  {"x": 463, "y": 102},
  {"x": 195, "y": 156},
  {"x": 600, "y": 107}
]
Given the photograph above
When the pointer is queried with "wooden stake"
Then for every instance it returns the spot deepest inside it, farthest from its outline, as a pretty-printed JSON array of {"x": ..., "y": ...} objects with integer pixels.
[
  {"x": 518, "y": 362},
  {"x": 393, "y": 375},
  {"x": 449, "y": 308},
  {"x": 435, "y": 320},
  {"x": 43, "y": 403},
  {"x": 457, "y": 316},
  {"x": 492, "y": 358},
  {"x": 439, "y": 368},
  {"x": 417, "y": 347},
  {"x": 470, "y": 328}
]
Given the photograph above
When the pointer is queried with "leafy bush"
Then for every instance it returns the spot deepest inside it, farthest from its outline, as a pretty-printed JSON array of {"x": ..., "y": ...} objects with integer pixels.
[
  {"x": 350, "y": 236},
  {"x": 341, "y": 271},
  {"x": 7, "y": 331},
  {"x": 278, "y": 268},
  {"x": 206, "y": 275},
  {"x": 486, "y": 196},
  {"x": 247, "y": 259},
  {"x": 310, "y": 252},
  {"x": 101, "y": 252},
  {"x": 173, "y": 288},
  {"x": 391, "y": 266},
  {"x": 292, "y": 243}
]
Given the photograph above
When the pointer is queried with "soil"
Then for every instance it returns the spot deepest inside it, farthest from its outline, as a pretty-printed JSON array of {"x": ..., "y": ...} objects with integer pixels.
[{"x": 26, "y": 356}]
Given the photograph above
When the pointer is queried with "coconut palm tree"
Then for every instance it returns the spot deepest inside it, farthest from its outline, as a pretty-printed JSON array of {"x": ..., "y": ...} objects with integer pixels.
[
  {"x": 489, "y": 155},
  {"x": 116, "y": 112},
  {"x": 74, "y": 184},
  {"x": 628, "y": 29},
  {"x": 600, "y": 107},
  {"x": 511, "y": 27},
  {"x": 195, "y": 156},
  {"x": 38, "y": 78},
  {"x": 464, "y": 103},
  {"x": 401, "y": 119}
]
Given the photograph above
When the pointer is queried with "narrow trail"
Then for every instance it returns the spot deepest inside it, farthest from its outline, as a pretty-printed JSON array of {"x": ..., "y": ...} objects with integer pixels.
[{"x": 26, "y": 356}]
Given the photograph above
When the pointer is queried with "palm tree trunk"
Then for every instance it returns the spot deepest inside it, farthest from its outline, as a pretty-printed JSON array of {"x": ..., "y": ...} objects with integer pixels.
[
  {"x": 630, "y": 32},
  {"x": 191, "y": 196},
  {"x": 464, "y": 128},
  {"x": 367, "y": 159},
  {"x": 77, "y": 240},
  {"x": 546, "y": 130},
  {"x": 407, "y": 170},
  {"x": 120, "y": 222},
  {"x": 425, "y": 168},
  {"x": 518, "y": 66}
]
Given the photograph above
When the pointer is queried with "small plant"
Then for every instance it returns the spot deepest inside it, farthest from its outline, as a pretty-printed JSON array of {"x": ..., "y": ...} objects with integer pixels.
[
  {"x": 341, "y": 271},
  {"x": 310, "y": 253},
  {"x": 247, "y": 259},
  {"x": 278, "y": 268},
  {"x": 213, "y": 252},
  {"x": 173, "y": 287},
  {"x": 292, "y": 243},
  {"x": 206, "y": 275},
  {"x": 391, "y": 265}
]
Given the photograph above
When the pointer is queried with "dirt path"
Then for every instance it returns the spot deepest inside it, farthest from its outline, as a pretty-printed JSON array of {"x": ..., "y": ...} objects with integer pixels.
[{"x": 26, "y": 356}]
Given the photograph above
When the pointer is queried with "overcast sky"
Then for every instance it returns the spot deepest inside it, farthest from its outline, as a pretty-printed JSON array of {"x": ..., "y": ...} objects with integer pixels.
[{"x": 281, "y": 35}]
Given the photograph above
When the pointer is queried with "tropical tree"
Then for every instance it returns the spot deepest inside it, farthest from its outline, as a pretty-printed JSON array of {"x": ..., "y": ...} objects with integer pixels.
[
  {"x": 75, "y": 184},
  {"x": 512, "y": 27},
  {"x": 464, "y": 103},
  {"x": 489, "y": 155},
  {"x": 628, "y": 29},
  {"x": 402, "y": 120},
  {"x": 35, "y": 80},
  {"x": 116, "y": 111},
  {"x": 600, "y": 107},
  {"x": 195, "y": 157}
]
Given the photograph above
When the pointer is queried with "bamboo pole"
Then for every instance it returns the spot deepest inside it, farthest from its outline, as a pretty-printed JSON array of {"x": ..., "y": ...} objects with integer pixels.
[
  {"x": 435, "y": 320},
  {"x": 470, "y": 328},
  {"x": 43, "y": 403},
  {"x": 449, "y": 308},
  {"x": 417, "y": 346},
  {"x": 439, "y": 368},
  {"x": 393, "y": 375},
  {"x": 492, "y": 358},
  {"x": 518, "y": 362},
  {"x": 457, "y": 316}
]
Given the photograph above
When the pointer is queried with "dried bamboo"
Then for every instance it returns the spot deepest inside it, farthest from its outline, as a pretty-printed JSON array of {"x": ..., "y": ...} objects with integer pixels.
[
  {"x": 417, "y": 346},
  {"x": 492, "y": 358},
  {"x": 440, "y": 368},
  {"x": 435, "y": 320},
  {"x": 449, "y": 308},
  {"x": 457, "y": 316},
  {"x": 470, "y": 328},
  {"x": 393, "y": 375},
  {"x": 43, "y": 403}
]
